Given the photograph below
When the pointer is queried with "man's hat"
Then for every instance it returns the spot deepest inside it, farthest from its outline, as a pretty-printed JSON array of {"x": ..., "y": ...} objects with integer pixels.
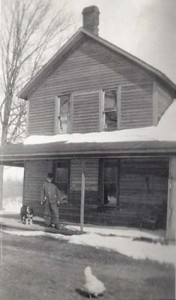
[{"x": 50, "y": 175}]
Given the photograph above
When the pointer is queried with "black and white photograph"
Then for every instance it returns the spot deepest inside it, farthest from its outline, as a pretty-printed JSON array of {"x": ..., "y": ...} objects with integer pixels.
[{"x": 88, "y": 149}]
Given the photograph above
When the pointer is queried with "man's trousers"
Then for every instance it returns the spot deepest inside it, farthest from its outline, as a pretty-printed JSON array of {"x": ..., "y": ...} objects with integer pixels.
[{"x": 51, "y": 213}]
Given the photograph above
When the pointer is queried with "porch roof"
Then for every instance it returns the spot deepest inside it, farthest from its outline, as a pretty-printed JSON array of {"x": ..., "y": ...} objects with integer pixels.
[{"x": 17, "y": 154}]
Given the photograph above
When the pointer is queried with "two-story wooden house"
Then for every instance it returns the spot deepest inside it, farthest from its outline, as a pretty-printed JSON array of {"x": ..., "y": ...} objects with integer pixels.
[{"x": 95, "y": 115}]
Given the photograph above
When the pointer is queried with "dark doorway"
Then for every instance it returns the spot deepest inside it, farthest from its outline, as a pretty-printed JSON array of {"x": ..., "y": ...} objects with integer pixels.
[
  {"x": 62, "y": 177},
  {"x": 109, "y": 182}
]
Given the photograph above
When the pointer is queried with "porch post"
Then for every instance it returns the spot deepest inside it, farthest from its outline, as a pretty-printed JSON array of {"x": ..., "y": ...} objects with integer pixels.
[
  {"x": 82, "y": 195},
  {"x": 171, "y": 201}
]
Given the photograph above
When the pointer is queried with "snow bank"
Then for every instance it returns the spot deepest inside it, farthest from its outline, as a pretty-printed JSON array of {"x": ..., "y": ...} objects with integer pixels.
[
  {"x": 164, "y": 131},
  {"x": 120, "y": 231},
  {"x": 124, "y": 245},
  {"x": 129, "y": 247}
]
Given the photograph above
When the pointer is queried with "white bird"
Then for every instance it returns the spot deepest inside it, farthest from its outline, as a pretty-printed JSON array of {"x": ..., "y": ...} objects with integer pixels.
[{"x": 93, "y": 286}]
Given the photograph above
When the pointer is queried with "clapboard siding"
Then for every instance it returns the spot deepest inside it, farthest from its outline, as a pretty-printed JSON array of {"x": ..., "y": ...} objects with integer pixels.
[
  {"x": 35, "y": 175},
  {"x": 91, "y": 182},
  {"x": 91, "y": 174},
  {"x": 41, "y": 115},
  {"x": 75, "y": 174},
  {"x": 143, "y": 182},
  {"x": 136, "y": 105},
  {"x": 92, "y": 67},
  {"x": 164, "y": 100},
  {"x": 85, "y": 112}
]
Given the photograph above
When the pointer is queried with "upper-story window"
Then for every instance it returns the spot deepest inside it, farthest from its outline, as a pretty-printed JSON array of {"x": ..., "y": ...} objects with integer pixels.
[
  {"x": 63, "y": 114},
  {"x": 110, "y": 114}
]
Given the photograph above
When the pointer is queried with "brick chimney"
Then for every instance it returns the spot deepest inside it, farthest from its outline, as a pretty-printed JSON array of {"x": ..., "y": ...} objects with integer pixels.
[{"x": 91, "y": 19}]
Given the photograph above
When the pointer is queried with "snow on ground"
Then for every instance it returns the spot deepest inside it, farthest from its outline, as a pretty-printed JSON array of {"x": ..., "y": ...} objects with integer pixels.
[
  {"x": 121, "y": 231},
  {"x": 164, "y": 131},
  {"x": 114, "y": 239},
  {"x": 11, "y": 205},
  {"x": 129, "y": 247}
]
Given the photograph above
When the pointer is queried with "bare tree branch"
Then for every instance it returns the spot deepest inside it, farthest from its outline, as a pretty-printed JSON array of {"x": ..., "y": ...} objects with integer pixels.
[{"x": 28, "y": 31}]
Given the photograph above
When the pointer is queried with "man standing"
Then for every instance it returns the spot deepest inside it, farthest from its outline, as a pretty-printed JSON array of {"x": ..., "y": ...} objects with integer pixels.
[{"x": 50, "y": 197}]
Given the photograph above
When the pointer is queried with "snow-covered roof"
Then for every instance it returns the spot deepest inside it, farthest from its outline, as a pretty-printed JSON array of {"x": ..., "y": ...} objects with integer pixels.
[
  {"x": 164, "y": 131},
  {"x": 153, "y": 140}
]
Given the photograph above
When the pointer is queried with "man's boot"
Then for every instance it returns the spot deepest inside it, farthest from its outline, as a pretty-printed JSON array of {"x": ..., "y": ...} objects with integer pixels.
[{"x": 57, "y": 226}]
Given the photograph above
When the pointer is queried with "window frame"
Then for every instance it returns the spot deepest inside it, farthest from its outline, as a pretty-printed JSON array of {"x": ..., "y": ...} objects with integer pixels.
[
  {"x": 58, "y": 114},
  {"x": 118, "y": 108}
]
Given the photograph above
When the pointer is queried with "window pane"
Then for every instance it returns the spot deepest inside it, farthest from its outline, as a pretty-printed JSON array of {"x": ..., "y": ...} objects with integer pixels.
[
  {"x": 111, "y": 120},
  {"x": 110, "y": 174},
  {"x": 62, "y": 178},
  {"x": 64, "y": 124},
  {"x": 64, "y": 114},
  {"x": 110, "y": 183},
  {"x": 65, "y": 104},
  {"x": 110, "y": 100},
  {"x": 110, "y": 198}
]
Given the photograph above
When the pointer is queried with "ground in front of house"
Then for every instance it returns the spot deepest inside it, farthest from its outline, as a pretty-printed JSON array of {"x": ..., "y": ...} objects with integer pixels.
[{"x": 39, "y": 267}]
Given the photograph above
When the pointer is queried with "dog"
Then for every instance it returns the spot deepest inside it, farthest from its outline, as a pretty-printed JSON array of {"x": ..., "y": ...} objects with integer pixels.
[{"x": 26, "y": 214}]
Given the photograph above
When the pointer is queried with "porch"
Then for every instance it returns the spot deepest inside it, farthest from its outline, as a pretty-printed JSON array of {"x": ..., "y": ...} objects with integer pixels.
[
  {"x": 104, "y": 191},
  {"x": 140, "y": 194}
]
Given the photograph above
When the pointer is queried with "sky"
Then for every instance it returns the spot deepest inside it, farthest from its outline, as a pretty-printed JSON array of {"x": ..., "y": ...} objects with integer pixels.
[{"x": 145, "y": 28}]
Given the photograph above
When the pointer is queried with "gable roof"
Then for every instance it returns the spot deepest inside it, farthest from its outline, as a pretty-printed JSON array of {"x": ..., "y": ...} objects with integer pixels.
[{"x": 47, "y": 68}]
